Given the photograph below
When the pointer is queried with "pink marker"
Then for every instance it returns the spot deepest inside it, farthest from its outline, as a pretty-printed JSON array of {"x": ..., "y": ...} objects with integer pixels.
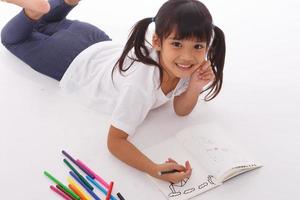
[
  {"x": 98, "y": 178},
  {"x": 60, "y": 193}
]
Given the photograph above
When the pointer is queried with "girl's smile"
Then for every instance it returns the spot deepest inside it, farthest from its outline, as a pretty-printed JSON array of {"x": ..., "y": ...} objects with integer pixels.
[
  {"x": 184, "y": 67},
  {"x": 180, "y": 57}
]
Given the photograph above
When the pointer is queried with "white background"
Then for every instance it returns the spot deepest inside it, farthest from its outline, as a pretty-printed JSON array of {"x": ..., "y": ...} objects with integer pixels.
[{"x": 259, "y": 103}]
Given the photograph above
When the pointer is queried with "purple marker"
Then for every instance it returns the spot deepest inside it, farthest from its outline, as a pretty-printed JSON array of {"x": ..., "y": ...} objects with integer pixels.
[
  {"x": 74, "y": 161},
  {"x": 83, "y": 185}
]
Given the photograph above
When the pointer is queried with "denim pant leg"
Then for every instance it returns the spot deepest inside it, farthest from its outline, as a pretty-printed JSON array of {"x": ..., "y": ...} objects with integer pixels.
[
  {"x": 58, "y": 11},
  {"x": 49, "y": 54},
  {"x": 19, "y": 28},
  {"x": 54, "y": 20}
]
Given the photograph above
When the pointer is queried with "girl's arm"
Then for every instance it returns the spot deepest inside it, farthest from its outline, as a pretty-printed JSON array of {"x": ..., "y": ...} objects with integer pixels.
[
  {"x": 185, "y": 103},
  {"x": 124, "y": 150},
  {"x": 119, "y": 146}
]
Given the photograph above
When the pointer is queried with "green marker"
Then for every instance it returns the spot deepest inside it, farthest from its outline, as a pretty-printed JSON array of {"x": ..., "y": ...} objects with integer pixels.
[
  {"x": 79, "y": 175},
  {"x": 65, "y": 188}
]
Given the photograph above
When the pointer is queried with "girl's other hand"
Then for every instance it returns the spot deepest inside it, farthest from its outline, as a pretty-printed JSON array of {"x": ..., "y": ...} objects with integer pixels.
[
  {"x": 201, "y": 77},
  {"x": 175, "y": 177}
]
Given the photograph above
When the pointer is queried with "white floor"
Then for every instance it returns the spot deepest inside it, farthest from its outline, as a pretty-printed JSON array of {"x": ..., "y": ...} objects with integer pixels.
[{"x": 259, "y": 103}]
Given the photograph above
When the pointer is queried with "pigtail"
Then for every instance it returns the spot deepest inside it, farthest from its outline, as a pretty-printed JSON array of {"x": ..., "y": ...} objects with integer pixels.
[
  {"x": 136, "y": 41},
  {"x": 216, "y": 55}
]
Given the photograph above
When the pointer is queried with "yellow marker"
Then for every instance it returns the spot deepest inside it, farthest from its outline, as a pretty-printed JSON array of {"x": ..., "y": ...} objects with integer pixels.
[{"x": 72, "y": 182}]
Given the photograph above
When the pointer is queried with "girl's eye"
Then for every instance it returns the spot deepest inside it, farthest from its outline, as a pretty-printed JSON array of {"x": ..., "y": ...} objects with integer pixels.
[
  {"x": 198, "y": 46},
  {"x": 176, "y": 44}
]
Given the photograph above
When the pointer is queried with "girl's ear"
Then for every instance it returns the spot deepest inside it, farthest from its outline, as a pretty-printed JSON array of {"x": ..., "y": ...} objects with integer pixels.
[{"x": 156, "y": 43}]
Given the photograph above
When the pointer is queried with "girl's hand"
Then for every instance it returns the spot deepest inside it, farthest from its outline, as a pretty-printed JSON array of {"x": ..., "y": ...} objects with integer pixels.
[
  {"x": 201, "y": 77},
  {"x": 183, "y": 171}
]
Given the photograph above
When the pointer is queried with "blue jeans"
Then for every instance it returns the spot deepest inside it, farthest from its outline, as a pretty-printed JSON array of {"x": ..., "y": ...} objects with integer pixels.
[{"x": 50, "y": 44}]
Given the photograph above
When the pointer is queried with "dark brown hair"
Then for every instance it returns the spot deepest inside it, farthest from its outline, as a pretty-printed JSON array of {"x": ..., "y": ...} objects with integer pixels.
[{"x": 189, "y": 19}]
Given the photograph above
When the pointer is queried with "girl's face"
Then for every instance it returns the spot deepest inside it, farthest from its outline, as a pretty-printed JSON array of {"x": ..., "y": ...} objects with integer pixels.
[{"x": 179, "y": 58}]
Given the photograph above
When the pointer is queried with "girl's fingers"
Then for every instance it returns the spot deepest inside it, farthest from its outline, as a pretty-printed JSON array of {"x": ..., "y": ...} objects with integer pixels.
[
  {"x": 179, "y": 176},
  {"x": 188, "y": 168},
  {"x": 175, "y": 177},
  {"x": 171, "y": 160},
  {"x": 206, "y": 66},
  {"x": 206, "y": 76},
  {"x": 187, "y": 165},
  {"x": 206, "y": 73},
  {"x": 178, "y": 167}
]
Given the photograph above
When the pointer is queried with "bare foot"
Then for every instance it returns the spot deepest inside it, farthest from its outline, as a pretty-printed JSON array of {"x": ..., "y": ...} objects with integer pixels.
[
  {"x": 72, "y": 2},
  {"x": 40, "y": 6},
  {"x": 34, "y": 15}
]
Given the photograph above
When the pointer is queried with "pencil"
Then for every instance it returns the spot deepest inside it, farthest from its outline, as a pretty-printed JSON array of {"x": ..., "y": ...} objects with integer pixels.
[
  {"x": 167, "y": 172},
  {"x": 60, "y": 193}
]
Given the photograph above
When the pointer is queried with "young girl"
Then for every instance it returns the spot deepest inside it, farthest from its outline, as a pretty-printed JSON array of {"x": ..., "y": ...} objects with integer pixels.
[{"x": 185, "y": 59}]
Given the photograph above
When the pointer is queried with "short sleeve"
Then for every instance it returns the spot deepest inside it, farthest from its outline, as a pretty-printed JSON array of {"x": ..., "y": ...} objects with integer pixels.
[
  {"x": 131, "y": 108},
  {"x": 182, "y": 87}
]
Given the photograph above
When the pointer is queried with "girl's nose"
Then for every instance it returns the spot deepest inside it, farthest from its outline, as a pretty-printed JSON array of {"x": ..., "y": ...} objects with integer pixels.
[{"x": 186, "y": 59}]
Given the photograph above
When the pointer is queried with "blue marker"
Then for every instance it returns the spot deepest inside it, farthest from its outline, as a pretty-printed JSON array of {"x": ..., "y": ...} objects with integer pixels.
[
  {"x": 83, "y": 185},
  {"x": 97, "y": 185}
]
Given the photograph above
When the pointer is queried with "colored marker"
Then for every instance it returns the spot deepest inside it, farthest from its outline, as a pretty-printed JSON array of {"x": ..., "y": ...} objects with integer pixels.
[
  {"x": 102, "y": 189},
  {"x": 76, "y": 191},
  {"x": 83, "y": 185},
  {"x": 72, "y": 182},
  {"x": 62, "y": 190},
  {"x": 74, "y": 161},
  {"x": 167, "y": 172},
  {"x": 66, "y": 189},
  {"x": 98, "y": 178},
  {"x": 60, "y": 193},
  {"x": 103, "y": 182},
  {"x": 109, "y": 190},
  {"x": 120, "y": 196},
  {"x": 79, "y": 175}
]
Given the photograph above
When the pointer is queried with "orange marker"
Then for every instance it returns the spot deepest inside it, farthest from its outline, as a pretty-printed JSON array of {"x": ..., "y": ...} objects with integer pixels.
[
  {"x": 77, "y": 191},
  {"x": 72, "y": 182}
]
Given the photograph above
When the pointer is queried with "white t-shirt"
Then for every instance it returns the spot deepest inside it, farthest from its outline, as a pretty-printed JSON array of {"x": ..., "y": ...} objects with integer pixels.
[{"x": 129, "y": 97}]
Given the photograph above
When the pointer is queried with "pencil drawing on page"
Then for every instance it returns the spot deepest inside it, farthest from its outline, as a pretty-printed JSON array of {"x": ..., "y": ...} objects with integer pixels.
[{"x": 174, "y": 186}]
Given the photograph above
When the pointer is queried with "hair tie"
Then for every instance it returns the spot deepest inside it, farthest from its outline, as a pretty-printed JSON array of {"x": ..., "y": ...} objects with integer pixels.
[{"x": 153, "y": 19}]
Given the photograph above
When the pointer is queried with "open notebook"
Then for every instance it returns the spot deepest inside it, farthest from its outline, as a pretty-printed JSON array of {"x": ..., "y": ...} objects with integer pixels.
[{"x": 213, "y": 156}]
